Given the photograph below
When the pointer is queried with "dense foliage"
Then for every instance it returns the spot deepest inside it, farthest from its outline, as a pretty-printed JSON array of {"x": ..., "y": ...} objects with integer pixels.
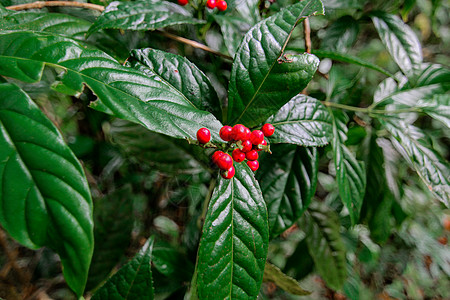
[{"x": 100, "y": 104}]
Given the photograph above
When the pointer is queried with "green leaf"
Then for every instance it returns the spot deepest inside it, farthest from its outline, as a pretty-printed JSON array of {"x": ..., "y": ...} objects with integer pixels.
[
  {"x": 142, "y": 15},
  {"x": 431, "y": 167},
  {"x": 274, "y": 274},
  {"x": 181, "y": 74},
  {"x": 249, "y": 10},
  {"x": 113, "y": 219},
  {"x": 438, "y": 108},
  {"x": 288, "y": 180},
  {"x": 325, "y": 244},
  {"x": 263, "y": 78},
  {"x": 302, "y": 121},
  {"x": 350, "y": 173},
  {"x": 45, "y": 196},
  {"x": 234, "y": 243},
  {"x": 341, "y": 35},
  {"x": 400, "y": 41},
  {"x": 300, "y": 264},
  {"x": 233, "y": 30},
  {"x": 123, "y": 92},
  {"x": 133, "y": 280}
]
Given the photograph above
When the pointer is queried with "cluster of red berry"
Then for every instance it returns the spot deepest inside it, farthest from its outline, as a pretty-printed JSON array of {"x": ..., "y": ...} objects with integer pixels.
[
  {"x": 245, "y": 144},
  {"x": 211, "y": 4}
]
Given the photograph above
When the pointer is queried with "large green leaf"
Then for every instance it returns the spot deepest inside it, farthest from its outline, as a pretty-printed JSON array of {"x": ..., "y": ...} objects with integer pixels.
[
  {"x": 142, "y": 15},
  {"x": 325, "y": 244},
  {"x": 341, "y": 34},
  {"x": 235, "y": 238},
  {"x": 288, "y": 180},
  {"x": 430, "y": 166},
  {"x": 400, "y": 41},
  {"x": 123, "y": 92},
  {"x": 263, "y": 78},
  {"x": 133, "y": 280},
  {"x": 181, "y": 74},
  {"x": 438, "y": 108},
  {"x": 302, "y": 121},
  {"x": 44, "y": 195}
]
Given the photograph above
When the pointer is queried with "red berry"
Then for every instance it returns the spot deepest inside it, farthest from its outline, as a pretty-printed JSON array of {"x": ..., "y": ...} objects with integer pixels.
[
  {"x": 257, "y": 137},
  {"x": 443, "y": 240},
  {"x": 203, "y": 135},
  {"x": 228, "y": 174},
  {"x": 183, "y": 2},
  {"x": 246, "y": 145},
  {"x": 226, "y": 133},
  {"x": 224, "y": 162},
  {"x": 268, "y": 129},
  {"x": 222, "y": 5},
  {"x": 251, "y": 155},
  {"x": 238, "y": 155},
  {"x": 211, "y": 4},
  {"x": 446, "y": 222},
  {"x": 264, "y": 143},
  {"x": 216, "y": 155},
  {"x": 240, "y": 132},
  {"x": 253, "y": 164}
]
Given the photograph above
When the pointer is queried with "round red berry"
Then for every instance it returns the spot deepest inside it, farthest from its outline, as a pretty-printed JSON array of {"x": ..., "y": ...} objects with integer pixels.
[
  {"x": 257, "y": 137},
  {"x": 246, "y": 145},
  {"x": 268, "y": 129},
  {"x": 263, "y": 143},
  {"x": 216, "y": 155},
  {"x": 228, "y": 174},
  {"x": 203, "y": 135},
  {"x": 183, "y": 2},
  {"x": 253, "y": 165},
  {"x": 251, "y": 155},
  {"x": 222, "y": 5},
  {"x": 240, "y": 132},
  {"x": 211, "y": 4},
  {"x": 238, "y": 155},
  {"x": 226, "y": 133},
  {"x": 224, "y": 162}
]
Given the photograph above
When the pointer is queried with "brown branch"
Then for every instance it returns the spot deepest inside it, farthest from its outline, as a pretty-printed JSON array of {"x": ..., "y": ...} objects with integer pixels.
[
  {"x": 307, "y": 32},
  {"x": 42, "y": 4}
]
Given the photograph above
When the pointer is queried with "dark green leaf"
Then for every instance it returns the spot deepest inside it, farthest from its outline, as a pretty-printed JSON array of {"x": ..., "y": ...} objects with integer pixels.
[
  {"x": 233, "y": 247},
  {"x": 300, "y": 263},
  {"x": 438, "y": 108},
  {"x": 325, "y": 244},
  {"x": 45, "y": 196},
  {"x": 181, "y": 74},
  {"x": 133, "y": 280},
  {"x": 400, "y": 41},
  {"x": 288, "y": 180},
  {"x": 142, "y": 15},
  {"x": 263, "y": 79},
  {"x": 233, "y": 30},
  {"x": 274, "y": 274},
  {"x": 123, "y": 92},
  {"x": 302, "y": 121},
  {"x": 341, "y": 35}
]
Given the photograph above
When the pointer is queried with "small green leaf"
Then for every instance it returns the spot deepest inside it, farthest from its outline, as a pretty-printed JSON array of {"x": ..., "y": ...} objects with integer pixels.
[
  {"x": 263, "y": 78},
  {"x": 45, "y": 198},
  {"x": 133, "y": 280},
  {"x": 341, "y": 35},
  {"x": 234, "y": 243},
  {"x": 142, "y": 15},
  {"x": 233, "y": 30},
  {"x": 438, "y": 108},
  {"x": 303, "y": 121},
  {"x": 274, "y": 274},
  {"x": 288, "y": 180}
]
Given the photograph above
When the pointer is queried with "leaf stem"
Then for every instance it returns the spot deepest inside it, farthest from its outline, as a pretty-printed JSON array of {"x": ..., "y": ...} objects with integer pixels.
[
  {"x": 369, "y": 110},
  {"x": 42, "y": 4}
]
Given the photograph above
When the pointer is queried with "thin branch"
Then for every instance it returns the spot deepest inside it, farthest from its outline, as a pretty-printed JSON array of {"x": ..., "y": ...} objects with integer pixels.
[
  {"x": 42, "y": 4},
  {"x": 307, "y": 32}
]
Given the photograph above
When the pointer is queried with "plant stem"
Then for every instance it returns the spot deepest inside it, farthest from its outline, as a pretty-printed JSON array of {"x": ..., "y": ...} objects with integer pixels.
[
  {"x": 369, "y": 110},
  {"x": 42, "y": 4},
  {"x": 307, "y": 32}
]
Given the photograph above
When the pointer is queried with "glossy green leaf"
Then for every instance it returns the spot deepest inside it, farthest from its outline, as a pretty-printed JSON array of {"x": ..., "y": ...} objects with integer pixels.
[
  {"x": 274, "y": 274},
  {"x": 263, "y": 78},
  {"x": 123, "y": 92},
  {"x": 288, "y": 180},
  {"x": 233, "y": 248},
  {"x": 428, "y": 74},
  {"x": 430, "y": 166},
  {"x": 438, "y": 108},
  {"x": 113, "y": 219},
  {"x": 325, "y": 244},
  {"x": 302, "y": 121},
  {"x": 233, "y": 30},
  {"x": 350, "y": 173},
  {"x": 410, "y": 97},
  {"x": 142, "y": 15},
  {"x": 400, "y": 41},
  {"x": 133, "y": 280},
  {"x": 341, "y": 34},
  {"x": 45, "y": 198},
  {"x": 181, "y": 74}
]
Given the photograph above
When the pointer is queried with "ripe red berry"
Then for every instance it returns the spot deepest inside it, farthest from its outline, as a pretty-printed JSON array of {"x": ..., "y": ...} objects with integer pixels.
[
  {"x": 238, "y": 155},
  {"x": 211, "y": 4},
  {"x": 257, "y": 137},
  {"x": 226, "y": 133},
  {"x": 246, "y": 145},
  {"x": 222, "y": 5},
  {"x": 263, "y": 143},
  {"x": 251, "y": 155},
  {"x": 253, "y": 165},
  {"x": 203, "y": 135},
  {"x": 443, "y": 240},
  {"x": 268, "y": 129},
  {"x": 183, "y": 2},
  {"x": 224, "y": 162},
  {"x": 240, "y": 132},
  {"x": 228, "y": 174},
  {"x": 216, "y": 155}
]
